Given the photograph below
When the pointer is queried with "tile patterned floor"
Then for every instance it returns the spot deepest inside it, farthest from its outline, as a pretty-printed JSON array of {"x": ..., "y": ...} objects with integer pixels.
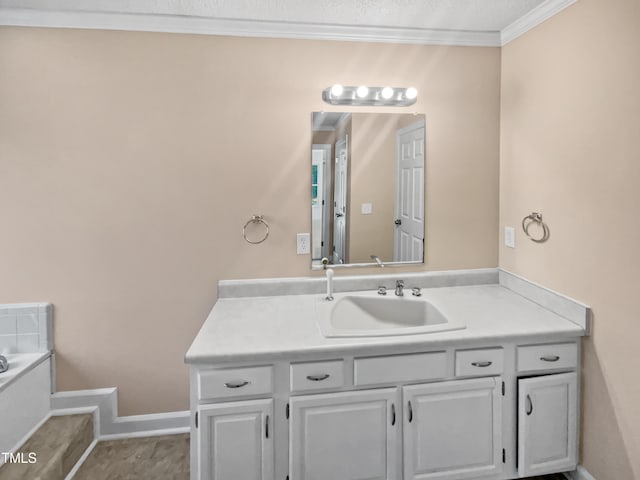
[{"x": 152, "y": 458}]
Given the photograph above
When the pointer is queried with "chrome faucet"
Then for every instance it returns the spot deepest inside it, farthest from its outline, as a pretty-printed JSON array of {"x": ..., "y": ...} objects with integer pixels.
[
  {"x": 378, "y": 261},
  {"x": 399, "y": 288},
  {"x": 4, "y": 364}
]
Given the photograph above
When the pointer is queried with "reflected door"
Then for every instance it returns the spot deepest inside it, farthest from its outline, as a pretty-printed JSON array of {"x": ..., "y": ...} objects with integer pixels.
[
  {"x": 340, "y": 203},
  {"x": 408, "y": 245},
  {"x": 319, "y": 156}
]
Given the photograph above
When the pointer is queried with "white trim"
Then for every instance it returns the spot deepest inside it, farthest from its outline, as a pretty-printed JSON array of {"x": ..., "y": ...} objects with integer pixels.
[
  {"x": 108, "y": 424},
  {"x": 81, "y": 460},
  {"x": 148, "y": 433},
  {"x": 76, "y": 17},
  {"x": 242, "y": 28},
  {"x": 580, "y": 473},
  {"x": 535, "y": 17}
]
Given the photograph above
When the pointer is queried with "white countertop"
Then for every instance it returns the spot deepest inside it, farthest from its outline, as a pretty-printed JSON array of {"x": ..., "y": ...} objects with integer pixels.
[{"x": 284, "y": 327}]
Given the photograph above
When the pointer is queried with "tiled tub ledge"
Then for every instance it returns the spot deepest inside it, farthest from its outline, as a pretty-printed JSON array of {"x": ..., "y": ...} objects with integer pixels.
[{"x": 26, "y": 328}]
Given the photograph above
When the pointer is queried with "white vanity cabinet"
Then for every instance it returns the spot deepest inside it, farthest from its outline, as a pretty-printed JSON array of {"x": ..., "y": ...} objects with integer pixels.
[
  {"x": 547, "y": 424},
  {"x": 453, "y": 430},
  {"x": 347, "y": 435},
  {"x": 485, "y": 412},
  {"x": 235, "y": 440}
]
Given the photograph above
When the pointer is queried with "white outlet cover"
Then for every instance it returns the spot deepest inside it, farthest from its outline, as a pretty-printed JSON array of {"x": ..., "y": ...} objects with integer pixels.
[
  {"x": 510, "y": 237},
  {"x": 366, "y": 208},
  {"x": 303, "y": 243}
]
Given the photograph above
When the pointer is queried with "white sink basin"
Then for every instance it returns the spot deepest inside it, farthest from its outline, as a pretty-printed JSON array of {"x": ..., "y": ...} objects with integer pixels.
[{"x": 364, "y": 315}]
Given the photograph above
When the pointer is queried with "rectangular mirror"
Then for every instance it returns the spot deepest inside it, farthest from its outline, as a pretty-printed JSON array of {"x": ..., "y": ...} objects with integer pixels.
[{"x": 367, "y": 188}]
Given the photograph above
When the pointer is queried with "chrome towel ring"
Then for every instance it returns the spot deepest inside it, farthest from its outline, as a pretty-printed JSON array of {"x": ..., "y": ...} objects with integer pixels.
[
  {"x": 256, "y": 219},
  {"x": 535, "y": 217}
]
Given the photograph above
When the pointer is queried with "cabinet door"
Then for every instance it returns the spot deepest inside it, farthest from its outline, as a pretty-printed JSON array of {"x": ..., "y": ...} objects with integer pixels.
[
  {"x": 236, "y": 441},
  {"x": 547, "y": 424},
  {"x": 345, "y": 436},
  {"x": 453, "y": 430}
]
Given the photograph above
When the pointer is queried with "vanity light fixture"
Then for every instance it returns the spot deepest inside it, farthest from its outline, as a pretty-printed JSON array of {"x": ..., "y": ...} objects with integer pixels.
[
  {"x": 370, "y": 96},
  {"x": 387, "y": 93},
  {"x": 362, "y": 91}
]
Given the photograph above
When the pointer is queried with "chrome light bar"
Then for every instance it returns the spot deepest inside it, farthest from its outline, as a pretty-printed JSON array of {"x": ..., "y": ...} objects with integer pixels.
[{"x": 368, "y": 96}]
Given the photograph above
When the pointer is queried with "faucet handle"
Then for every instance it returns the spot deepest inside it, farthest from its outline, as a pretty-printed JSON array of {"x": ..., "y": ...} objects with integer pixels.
[
  {"x": 415, "y": 291},
  {"x": 382, "y": 290}
]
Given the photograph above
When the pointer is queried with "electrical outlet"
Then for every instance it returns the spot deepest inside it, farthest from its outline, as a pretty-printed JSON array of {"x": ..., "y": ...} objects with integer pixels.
[
  {"x": 303, "y": 244},
  {"x": 510, "y": 237}
]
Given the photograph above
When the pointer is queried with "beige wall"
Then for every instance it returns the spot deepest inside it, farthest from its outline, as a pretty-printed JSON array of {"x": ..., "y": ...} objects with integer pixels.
[
  {"x": 570, "y": 149},
  {"x": 129, "y": 163}
]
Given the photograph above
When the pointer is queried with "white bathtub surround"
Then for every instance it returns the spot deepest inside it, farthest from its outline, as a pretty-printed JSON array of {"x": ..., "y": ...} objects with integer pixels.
[
  {"x": 20, "y": 364},
  {"x": 26, "y": 328},
  {"x": 108, "y": 425},
  {"x": 24, "y": 399}
]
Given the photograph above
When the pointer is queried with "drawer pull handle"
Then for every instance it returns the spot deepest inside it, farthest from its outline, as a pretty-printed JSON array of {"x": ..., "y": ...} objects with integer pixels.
[
  {"x": 393, "y": 414},
  {"x": 529, "y": 405},
  {"x": 482, "y": 364},
  {"x": 236, "y": 384},
  {"x": 318, "y": 378},
  {"x": 550, "y": 358},
  {"x": 410, "y": 411}
]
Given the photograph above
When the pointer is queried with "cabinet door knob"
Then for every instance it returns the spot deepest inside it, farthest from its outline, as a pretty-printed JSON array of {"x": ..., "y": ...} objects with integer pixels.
[
  {"x": 410, "y": 409},
  {"x": 236, "y": 384},
  {"x": 550, "y": 358},
  {"x": 482, "y": 364},
  {"x": 529, "y": 405},
  {"x": 318, "y": 378}
]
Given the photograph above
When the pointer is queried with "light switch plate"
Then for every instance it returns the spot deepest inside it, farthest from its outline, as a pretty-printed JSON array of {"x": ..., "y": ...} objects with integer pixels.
[
  {"x": 303, "y": 244},
  {"x": 510, "y": 237}
]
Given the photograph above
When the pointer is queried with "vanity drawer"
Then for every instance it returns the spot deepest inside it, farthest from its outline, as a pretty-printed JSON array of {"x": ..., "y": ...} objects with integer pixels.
[
  {"x": 317, "y": 375},
  {"x": 547, "y": 357},
  {"x": 400, "y": 368},
  {"x": 479, "y": 362},
  {"x": 234, "y": 382}
]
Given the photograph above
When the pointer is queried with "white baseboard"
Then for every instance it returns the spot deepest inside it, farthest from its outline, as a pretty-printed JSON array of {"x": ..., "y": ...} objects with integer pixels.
[
  {"x": 580, "y": 473},
  {"x": 81, "y": 460},
  {"x": 107, "y": 423}
]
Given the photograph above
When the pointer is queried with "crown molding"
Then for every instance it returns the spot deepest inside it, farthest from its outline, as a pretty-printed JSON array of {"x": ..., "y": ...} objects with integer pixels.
[
  {"x": 73, "y": 16},
  {"x": 535, "y": 17},
  {"x": 241, "y": 28}
]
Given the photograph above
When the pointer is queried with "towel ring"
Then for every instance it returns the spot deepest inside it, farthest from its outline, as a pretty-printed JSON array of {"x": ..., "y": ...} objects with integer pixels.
[
  {"x": 535, "y": 217},
  {"x": 256, "y": 219}
]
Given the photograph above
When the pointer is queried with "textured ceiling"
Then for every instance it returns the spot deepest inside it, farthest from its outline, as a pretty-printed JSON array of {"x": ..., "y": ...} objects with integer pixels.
[{"x": 466, "y": 15}]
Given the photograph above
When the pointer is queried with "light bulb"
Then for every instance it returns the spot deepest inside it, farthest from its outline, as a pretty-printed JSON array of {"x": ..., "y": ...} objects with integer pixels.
[
  {"x": 362, "y": 91},
  {"x": 336, "y": 90},
  {"x": 387, "y": 93},
  {"x": 411, "y": 93}
]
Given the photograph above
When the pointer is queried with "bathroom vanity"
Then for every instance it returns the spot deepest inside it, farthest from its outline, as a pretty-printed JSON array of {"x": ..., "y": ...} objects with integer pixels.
[{"x": 274, "y": 395}]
